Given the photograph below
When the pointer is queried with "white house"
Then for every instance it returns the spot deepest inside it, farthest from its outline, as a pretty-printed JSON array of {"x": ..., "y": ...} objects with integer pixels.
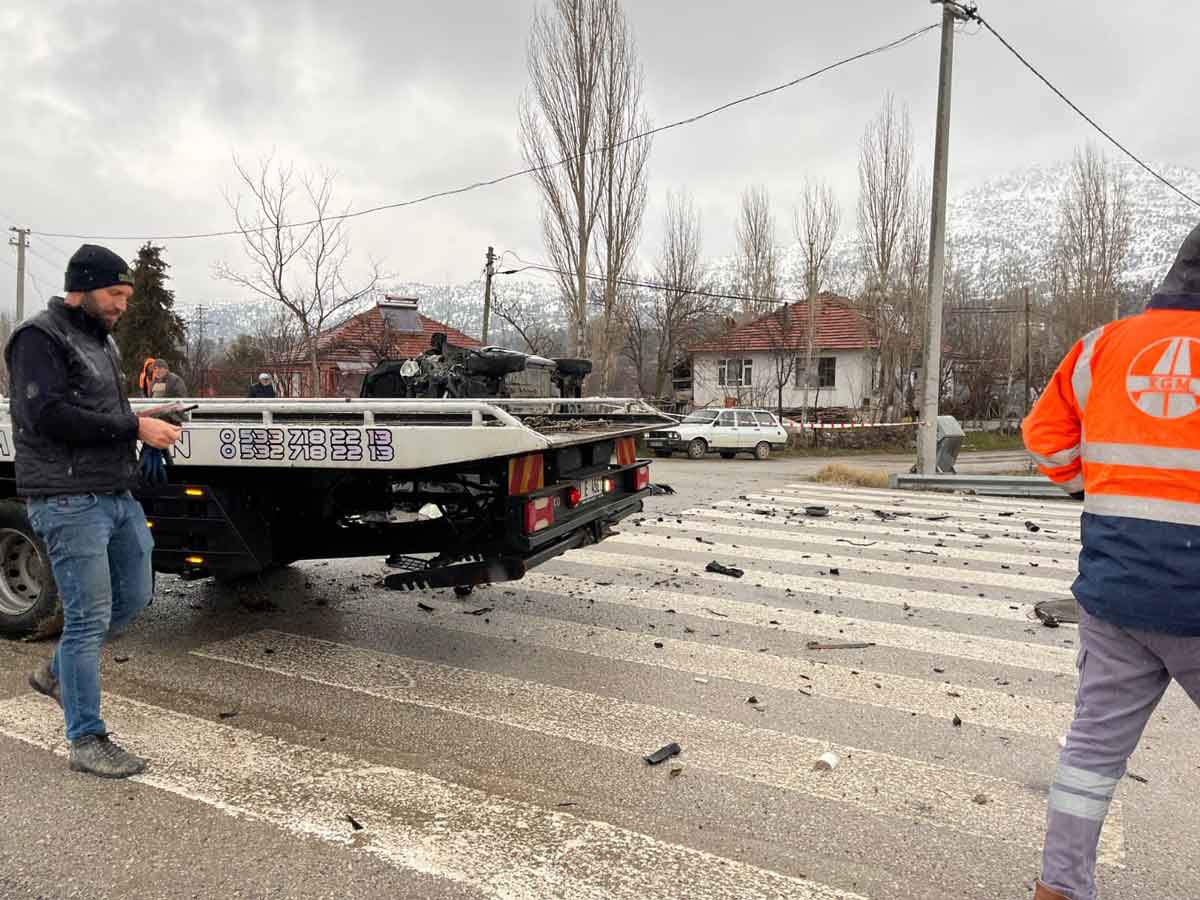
[{"x": 756, "y": 362}]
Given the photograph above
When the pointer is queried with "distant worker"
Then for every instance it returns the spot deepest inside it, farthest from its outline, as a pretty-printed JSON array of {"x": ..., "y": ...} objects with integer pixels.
[
  {"x": 264, "y": 389},
  {"x": 166, "y": 382},
  {"x": 1119, "y": 428},
  {"x": 146, "y": 377}
]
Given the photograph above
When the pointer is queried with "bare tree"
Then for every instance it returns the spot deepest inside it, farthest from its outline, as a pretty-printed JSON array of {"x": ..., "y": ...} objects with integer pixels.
[
  {"x": 680, "y": 310},
  {"x": 577, "y": 120},
  {"x": 757, "y": 261},
  {"x": 303, "y": 267},
  {"x": 816, "y": 223},
  {"x": 540, "y": 338},
  {"x": 1091, "y": 247},
  {"x": 884, "y": 211}
]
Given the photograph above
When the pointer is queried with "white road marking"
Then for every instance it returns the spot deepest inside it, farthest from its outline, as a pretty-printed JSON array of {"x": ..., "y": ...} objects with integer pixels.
[
  {"x": 878, "y": 782},
  {"x": 978, "y": 503},
  {"x": 842, "y": 589},
  {"x": 504, "y": 848},
  {"x": 801, "y": 535},
  {"x": 955, "y": 574},
  {"x": 1064, "y": 515}
]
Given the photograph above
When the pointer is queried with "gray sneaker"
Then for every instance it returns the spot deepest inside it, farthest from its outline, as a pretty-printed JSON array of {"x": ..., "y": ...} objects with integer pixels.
[
  {"x": 96, "y": 754},
  {"x": 44, "y": 682}
]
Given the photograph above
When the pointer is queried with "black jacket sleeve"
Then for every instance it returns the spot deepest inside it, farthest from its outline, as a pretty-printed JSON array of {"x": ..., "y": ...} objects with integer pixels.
[{"x": 38, "y": 371}]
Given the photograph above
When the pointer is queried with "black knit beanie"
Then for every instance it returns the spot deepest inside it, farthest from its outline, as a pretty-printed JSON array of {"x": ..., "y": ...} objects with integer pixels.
[{"x": 93, "y": 267}]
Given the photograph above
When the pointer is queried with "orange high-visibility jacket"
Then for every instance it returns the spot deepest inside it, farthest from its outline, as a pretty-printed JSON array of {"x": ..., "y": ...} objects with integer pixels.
[{"x": 1120, "y": 422}]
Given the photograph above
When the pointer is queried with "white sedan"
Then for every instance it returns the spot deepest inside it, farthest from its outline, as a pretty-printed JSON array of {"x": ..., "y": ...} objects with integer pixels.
[{"x": 724, "y": 431}]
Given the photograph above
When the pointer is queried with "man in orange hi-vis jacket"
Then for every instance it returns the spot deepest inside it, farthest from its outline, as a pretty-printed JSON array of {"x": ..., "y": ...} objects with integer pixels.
[{"x": 1119, "y": 428}]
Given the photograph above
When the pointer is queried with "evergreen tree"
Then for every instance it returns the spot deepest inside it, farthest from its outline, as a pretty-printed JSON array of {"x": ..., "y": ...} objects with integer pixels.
[{"x": 150, "y": 326}]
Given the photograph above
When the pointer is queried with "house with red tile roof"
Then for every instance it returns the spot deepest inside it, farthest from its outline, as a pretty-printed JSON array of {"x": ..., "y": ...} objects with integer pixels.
[
  {"x": 762, "y": 363},
  {"x": 392, "y": 329}
]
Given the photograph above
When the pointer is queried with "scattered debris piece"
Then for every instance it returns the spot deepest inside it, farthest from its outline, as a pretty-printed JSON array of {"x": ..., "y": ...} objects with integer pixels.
[
  {"x": 676, "y": 769},
  {"x": 835, "y": 571},
  {"x": 827, "y": 762},
  {"x": 848, "y": 645},
  {"x": 956, "y": 721},
  {"x": 658, "y": 645},
  {"x": 816, "y": 512},
  {"x": 268, "y": 650},
  {"x": 1140, "y": 779},
  {"x": 981, "y": 799},
  {"x": 1005, "y": 515},
  {"x": 719, "y": 569},
  {"x": 483, "y": 610},
  {"x": 1064, "y": 611},
  {"x": 953, "y": 694},
  {"x": 941, "y": 518},
  {"x": 1033, "y": 527},
  {"x": 854, "y": 544},
  {"x": 662, "y": 754},
  {"x": 226, "y": 714},
  {"x": 700, "y": 680},
  {"x": 120, "y": 659},
  {"x": 565, "y": 804},
  {"x": 751, "y": 699},
  {"x": 354, "y": 823},
  {"x": 700, "y": 540},
  {"x": 656, "y": 489},
  {"x": 425, "y": 607},
  {"x": 713, "y": 612}
]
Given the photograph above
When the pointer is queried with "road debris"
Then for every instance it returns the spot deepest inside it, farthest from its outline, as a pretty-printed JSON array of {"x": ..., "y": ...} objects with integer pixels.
[
  {"x": 956, "y": 721},
  {"x": 816, "y": 512},
  {"x": 676, "y": 769},
  {"x": 981, "y": 799},
  {"x": 120, "y": 659},
  {"x": 354, "y": 823},
  {"x": 700, "y": 540},
  {"x": 226, "y": 714},
  {"x": 657, "y": 489},
  {"x": 835, "y": 571},
  {"x": 1053, "y": 613},
  {"x": 827, "y": 762},
  {"x": 483, "y": 610},
  {"x": 752, "y": 700},
  {"x": 1033, "y": 527},
  {"x": 1140, "y": 779},
  {"x": 662, "y": 754},
  {"x": 424, "y": 607},
  {"x": 713, "y": 612},
  {"x": 565, "y": 804},
  {"x": 941, "y": 518},
  {"x": 719, "y": 569},
  {"x": 847, "y": 645},
  {"x": 700, "y": 680}
]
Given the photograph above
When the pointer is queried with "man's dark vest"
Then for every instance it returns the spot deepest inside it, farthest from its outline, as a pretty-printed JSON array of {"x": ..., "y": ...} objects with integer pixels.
[{"x": 46, "y": 466}]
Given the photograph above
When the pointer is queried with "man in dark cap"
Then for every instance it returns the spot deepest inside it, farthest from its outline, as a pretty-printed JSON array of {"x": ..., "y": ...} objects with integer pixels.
[
  {"x": 166, "y": 383},
  {"x": 75, "y": 438}
]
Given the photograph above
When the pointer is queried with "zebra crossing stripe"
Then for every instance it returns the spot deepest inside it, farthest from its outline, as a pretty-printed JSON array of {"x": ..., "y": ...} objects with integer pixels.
[
  {"x": 1064, "y": 513},
  {"x": 955, "y": 574},
  {"x": 879, "y": 783},
  {"x": 500, "y": 847}
]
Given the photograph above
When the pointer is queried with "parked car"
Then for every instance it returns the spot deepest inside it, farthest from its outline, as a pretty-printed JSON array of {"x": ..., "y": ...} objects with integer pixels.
[{"x": 724, "y": 431}]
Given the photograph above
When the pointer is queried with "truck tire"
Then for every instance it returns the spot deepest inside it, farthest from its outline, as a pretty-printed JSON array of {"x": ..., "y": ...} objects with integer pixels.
[
  {"x": 29, "y": 603},
  {"x": 727, "y": 454},
  {"x": 762, "y": 450},
  {"x": 697, "y": 448}
]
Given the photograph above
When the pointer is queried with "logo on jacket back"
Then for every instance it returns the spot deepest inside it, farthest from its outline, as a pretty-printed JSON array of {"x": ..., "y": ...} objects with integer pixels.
[{"x": 1160, "y": 381}]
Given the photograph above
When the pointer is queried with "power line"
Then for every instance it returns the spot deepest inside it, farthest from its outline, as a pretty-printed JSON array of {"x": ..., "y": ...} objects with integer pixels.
[
  {"x": 690, "y": 120},
  {"x": 970, "y": 11}
]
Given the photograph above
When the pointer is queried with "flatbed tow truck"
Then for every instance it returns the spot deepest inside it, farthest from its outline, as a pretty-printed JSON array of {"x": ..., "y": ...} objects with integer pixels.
[{"x": 454, "y": 493}]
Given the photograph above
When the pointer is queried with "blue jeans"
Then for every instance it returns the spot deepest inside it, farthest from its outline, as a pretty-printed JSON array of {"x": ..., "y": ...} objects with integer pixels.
[{"x": 99, "y": 547}]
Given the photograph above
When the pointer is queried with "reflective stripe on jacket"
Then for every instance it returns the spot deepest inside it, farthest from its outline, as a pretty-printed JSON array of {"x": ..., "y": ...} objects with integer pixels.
[{"x": 1120, "y": 421}]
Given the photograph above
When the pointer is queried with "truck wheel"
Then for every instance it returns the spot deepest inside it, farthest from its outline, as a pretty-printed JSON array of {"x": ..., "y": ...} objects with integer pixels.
[
  {"x": 762, "y": 450},
  {"x": 697, "y": 448},
  {"x": 727, "y": 454},
  {"x": 29, "y": 603}
]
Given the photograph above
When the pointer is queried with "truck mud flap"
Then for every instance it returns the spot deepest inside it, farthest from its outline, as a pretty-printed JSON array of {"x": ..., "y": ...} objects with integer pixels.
[{"x": 485, "y": 571}]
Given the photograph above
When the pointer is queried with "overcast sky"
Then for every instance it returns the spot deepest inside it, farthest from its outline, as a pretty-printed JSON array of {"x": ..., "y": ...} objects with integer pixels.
[{"x": 122, "y": 117}]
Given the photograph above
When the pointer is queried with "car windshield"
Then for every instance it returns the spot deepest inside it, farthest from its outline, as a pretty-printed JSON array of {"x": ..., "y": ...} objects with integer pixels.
[{"x": 701, "y": 417}]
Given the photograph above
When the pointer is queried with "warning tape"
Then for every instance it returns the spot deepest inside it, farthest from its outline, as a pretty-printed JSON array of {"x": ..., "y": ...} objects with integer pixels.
[{"x": 832, "y": 426}]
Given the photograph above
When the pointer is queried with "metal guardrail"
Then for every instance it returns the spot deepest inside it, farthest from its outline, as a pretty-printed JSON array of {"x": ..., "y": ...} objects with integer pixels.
[{"x": 987, "y": 485}]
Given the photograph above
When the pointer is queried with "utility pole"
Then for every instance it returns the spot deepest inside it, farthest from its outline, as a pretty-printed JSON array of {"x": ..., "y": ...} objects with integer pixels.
[
  {"x": 1028, "y": 357},
  {"x": 201, "y": 351},
  {"x": 927, "y": 431},
  {"x": 487, "y": 294},
  {"x": 20, "y": 240}
]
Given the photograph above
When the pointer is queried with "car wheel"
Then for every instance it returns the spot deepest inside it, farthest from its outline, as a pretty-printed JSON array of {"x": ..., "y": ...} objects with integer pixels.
[
  {"x": 29, "y": 603},
  {"x": 727, "y": 454},
  {"x": 762, "y": 450},
  {"x": 697, "y": 448}
]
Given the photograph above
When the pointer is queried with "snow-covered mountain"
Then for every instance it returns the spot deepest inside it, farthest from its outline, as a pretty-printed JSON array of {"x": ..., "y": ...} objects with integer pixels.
[{"x": 1012, "y": 217}]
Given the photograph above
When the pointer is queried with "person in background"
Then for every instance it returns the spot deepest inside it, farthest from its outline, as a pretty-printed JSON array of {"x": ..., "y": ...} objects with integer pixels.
[
  {"x": 264, "y": 389},
  {"x": 75, "y": 439},
  {"x": 166, "y": 383}
]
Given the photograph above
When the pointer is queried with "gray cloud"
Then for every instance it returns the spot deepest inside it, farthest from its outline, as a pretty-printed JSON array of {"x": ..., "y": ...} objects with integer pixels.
[{"x": 123, "y": 116}]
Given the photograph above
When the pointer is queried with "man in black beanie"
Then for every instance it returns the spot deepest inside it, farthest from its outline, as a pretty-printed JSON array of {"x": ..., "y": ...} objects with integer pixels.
[{"x": 75, "y": 438}]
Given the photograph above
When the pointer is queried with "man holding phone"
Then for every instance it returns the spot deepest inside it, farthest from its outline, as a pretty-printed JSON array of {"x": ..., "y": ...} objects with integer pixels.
[{"x": 75, "y": 438}]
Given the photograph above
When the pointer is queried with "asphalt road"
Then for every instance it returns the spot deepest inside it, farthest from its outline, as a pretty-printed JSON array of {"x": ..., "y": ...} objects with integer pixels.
[{"x": 314, "y": 735}]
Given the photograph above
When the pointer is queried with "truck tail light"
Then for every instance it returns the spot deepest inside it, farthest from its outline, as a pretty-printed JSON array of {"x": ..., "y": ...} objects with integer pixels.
[
  {"x": 641, "y": 477},
  {"x": 574, "y": 497},
  {"x": 539, "y": 514}
]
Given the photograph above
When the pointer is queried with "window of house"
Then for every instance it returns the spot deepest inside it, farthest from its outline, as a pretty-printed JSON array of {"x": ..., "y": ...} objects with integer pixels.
[
  {"x": 802, "y": 377},
  {"x": 734, "y": 372},
  {"x": 827, "y": 372}
]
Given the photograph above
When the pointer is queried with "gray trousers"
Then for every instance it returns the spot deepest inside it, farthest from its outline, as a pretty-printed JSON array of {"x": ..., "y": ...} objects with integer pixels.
[{"x": 1122, "y": 676}]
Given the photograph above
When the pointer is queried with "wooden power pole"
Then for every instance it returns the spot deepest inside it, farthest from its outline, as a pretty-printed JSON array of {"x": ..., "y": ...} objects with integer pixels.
[
  {"x": 1028, "y": 359},
  {"x": 487, "y": 294}
]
